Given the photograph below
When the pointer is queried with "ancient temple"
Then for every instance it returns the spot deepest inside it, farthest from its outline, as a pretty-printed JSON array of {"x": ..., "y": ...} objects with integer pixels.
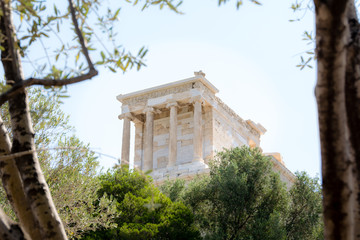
[{"x": 180, "y": 126}]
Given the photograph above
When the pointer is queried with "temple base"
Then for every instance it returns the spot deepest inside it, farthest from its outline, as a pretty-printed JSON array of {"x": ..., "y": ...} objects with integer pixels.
[{"x": 185, "y": 171}]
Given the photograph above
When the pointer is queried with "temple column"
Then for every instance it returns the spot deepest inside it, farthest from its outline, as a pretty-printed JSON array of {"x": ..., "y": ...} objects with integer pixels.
[
  {"x": 172, "y": 134},
  {"x": 198, "y": 156},
  {"x": 138, "y": 148},
  {"x": 125, "y": 150},
  {"x": 149, "y": 139}
]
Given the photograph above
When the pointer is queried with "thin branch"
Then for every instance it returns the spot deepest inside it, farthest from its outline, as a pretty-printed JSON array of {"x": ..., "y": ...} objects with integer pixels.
[
  {"x": 47, "y": 25},
  {"x": 44, "y": 82},
  {"x": 31, "y": 63},
  {"x": 45, "y": 50},
  {"x": 23, "y": 153},
  {"x": 80, "y": 36},
  {"x": 13, "y": 53},
  {"x": 55, "y": 82},
  {"x": 58, "y": 82},
  {"x": 97, "y": 37}
]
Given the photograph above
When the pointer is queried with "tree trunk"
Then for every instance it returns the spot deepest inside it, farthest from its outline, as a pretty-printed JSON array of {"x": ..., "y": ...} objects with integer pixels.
[
  {"x": 13, "y": 187},
  {"x": 9, "y": 230},
  {"x": 338, "y": 98},
  {"x": 36, "y": 190}
]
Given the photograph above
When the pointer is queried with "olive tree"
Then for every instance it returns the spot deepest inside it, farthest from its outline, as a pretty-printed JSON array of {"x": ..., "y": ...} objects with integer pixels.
[
  {"x": 24, "y": 26},
  {"x": 243, "y": 198}
]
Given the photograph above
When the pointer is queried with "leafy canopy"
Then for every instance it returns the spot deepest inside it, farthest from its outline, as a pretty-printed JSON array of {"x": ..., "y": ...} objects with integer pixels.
[
  {"x": 69, "y": 166},
  {"x": 143, "y": 212},
  {"x": 244, "y": 199},
  {"x": 241, "y": 197}
]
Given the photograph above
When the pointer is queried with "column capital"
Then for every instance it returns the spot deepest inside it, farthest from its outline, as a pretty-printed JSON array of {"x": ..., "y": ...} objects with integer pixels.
[
  {"x": 148, "y": 109},
  {"x": 196, "y": 99},
  {"x": 127, "y": 115},
  {"x": 151, "y": 110},
  {"x": 172, "y": 104},
  {"x": 137, "y": 120}
]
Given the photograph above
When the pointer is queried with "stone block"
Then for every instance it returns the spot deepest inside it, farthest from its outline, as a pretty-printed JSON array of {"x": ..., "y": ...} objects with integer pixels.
[
  {"x": 160, "y": 140},
  {"x": 185, "y": 116},
  {"x": 159, "y": 100},
  {"x": 186, "y": 131},
  {"x": 185, "y": 137},
  {"x": 157, "y": 176},
  {"x": 159, "y": 148},
  {"x": 162, "y": 162},
  {"x": 186, "y": 142}
]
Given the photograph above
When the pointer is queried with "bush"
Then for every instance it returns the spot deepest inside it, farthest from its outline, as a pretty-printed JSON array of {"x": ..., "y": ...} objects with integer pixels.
[{"x": 143, "y": 212}]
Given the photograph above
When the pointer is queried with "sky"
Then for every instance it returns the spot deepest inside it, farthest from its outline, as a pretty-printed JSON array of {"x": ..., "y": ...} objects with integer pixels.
[{"x": 249, "y": 54}]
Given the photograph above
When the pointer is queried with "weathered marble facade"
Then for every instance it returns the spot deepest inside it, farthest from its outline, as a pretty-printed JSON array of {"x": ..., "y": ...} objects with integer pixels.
[{"x": 180, "y": 126}]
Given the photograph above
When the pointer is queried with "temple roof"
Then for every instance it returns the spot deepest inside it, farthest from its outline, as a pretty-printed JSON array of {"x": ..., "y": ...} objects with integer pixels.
[{"x": 199, "y": 77}]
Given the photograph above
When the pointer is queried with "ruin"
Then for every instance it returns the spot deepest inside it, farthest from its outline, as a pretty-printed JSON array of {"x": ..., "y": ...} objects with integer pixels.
[{"x": 181, "y": 125}]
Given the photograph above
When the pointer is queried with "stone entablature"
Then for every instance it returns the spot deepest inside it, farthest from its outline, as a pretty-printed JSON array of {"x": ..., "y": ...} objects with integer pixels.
[
  {"x": 180, "y": 126},
  {"x": 278, "y": 165}
]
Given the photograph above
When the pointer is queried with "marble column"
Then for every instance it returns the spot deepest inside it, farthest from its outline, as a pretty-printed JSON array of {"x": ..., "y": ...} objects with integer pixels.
[
  {"x": 139, "y": 140},
  {"x": 149, "y": 139},
  {"x": 198, "y": 156},
  {"x": 125, "y": 150},
  {"x": 172, "y": 134}
]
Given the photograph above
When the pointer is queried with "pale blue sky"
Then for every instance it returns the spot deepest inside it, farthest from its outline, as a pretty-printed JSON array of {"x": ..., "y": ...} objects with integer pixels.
[{"x": 249, "y": 54}]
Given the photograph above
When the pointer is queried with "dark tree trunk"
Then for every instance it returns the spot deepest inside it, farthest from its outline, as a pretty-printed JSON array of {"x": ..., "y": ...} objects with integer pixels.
[{"x": 338, "y": 98}]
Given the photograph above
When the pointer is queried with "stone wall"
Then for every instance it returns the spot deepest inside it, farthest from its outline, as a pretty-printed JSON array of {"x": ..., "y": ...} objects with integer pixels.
[
  {"x": 185, "y": 135},
  {"x": 230, "y": 130}
]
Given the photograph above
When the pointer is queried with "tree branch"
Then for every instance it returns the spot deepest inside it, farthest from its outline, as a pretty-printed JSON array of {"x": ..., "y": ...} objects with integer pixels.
[
  {"x": 10, "y": 230},
  {"x": 37, "y": 192},
  {"x": 44, "y": 82},
  {"x": 23, "y": 153},
  {"x": 19, "y": 85},
  {"x": 80, "y": 36},
  {"x": 10, "y": 56}
]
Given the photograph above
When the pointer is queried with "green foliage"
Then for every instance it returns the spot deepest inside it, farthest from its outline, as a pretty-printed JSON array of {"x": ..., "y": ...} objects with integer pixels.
[
  {"x": 304, "y": 219},
  {"x": 71, "y": 176},
  {"x": 143, "y": 212},
  {"x": 68, "y": 165},
  {"x": 239, "y": 2},
  {"x": 300, "y": 9},
  {"x": 243, "y": 194},
  {"x": 244, "y": 199},
  {"x": 40, "y": 23},
  {"x": 173, "y": 189},
  {"x": 120, "y": 182}
]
